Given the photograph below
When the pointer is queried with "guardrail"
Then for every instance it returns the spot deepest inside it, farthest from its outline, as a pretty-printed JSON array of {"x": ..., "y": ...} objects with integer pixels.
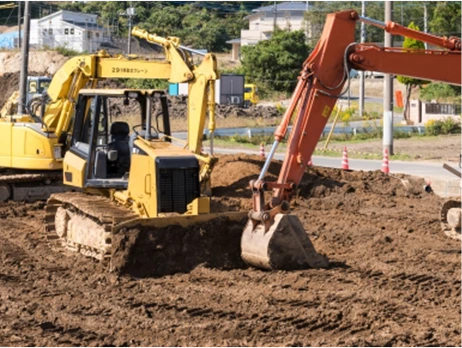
[{"x": 250, "y": 132}]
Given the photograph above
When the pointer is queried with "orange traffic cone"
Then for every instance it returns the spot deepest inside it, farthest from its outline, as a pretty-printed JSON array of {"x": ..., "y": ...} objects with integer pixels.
[
  {"x": 262, "y": 150},
  {"x": 345, "y": 165},
  {"x": 385, "y": 163}
]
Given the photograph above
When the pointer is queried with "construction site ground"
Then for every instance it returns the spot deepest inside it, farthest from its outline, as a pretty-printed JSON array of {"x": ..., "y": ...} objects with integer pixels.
[{"x": 394, "y": 278}]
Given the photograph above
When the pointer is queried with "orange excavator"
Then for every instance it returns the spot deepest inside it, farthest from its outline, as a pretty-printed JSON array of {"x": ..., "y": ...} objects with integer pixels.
[{"x": 274, "y": 239}]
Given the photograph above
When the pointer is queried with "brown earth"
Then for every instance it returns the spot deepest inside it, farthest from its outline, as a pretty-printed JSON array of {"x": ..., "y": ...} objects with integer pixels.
[
  {"x": 178, "y": 108},
  {"x": 393, "y": 280},
  {"x": 178, "y": 105}
]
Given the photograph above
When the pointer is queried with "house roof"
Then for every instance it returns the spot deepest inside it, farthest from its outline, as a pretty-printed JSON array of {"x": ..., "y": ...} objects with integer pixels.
[
  {"x": 284, "y": 6},
  {"x": 232, "y": 41},
  {"x": 64, "y": 12},
  {"x": 87, "y": 26}
]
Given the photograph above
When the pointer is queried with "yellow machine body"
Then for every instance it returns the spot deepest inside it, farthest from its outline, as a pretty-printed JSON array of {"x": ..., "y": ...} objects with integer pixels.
[
  {"x": 143, "y": 188},
  {"x": 251, "y": 94},
  {"x": 26, "y": 146}
]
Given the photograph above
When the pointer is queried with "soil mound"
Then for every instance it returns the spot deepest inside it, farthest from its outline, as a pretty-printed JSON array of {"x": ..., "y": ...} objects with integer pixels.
[
  {"x": 178, "y": 108},
  {"x": 328, "y": 186}
]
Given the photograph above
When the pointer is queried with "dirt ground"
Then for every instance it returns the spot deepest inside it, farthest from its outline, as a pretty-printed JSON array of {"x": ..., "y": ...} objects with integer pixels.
[{"x": 393, "y": 279}]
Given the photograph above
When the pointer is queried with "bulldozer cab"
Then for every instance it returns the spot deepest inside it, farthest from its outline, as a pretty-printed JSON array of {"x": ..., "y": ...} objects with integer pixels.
[{"x": 106, "y": 125}]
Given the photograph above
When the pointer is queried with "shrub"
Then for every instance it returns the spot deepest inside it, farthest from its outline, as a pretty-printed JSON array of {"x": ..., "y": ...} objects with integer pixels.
[
  {"x": 255, "y": 140},
  {"x": 146, "y": 83},
  {"x": 445, "y": 126},
  {"x": 280, "y": 108},
  {"x": 440, "y": 92},
  {"x": 67, "y": 52}
]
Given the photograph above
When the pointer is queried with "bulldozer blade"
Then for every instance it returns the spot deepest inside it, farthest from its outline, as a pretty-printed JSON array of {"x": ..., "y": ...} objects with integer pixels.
[
  {"x": 285, "y": 246},
  {"x": 167, "y": 245}
]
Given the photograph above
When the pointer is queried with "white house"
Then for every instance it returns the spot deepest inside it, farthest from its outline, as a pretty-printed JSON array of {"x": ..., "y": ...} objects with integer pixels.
[
  {"x": 285, "y": 15},
  {"x": 73, "y": 30}
]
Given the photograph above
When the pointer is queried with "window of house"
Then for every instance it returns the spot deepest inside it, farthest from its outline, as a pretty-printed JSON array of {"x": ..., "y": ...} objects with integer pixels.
[
  {"x": 50, "y": 31},
  {"x": 89, "y": 34},
  {"x": 72, "y": 31},
  {"x": 66, "y": 31},
  {"x": 97, "y": 34}
]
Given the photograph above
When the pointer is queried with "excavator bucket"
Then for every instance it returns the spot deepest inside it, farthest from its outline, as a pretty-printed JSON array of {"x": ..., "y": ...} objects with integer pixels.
[{"x": 284, "y": 246}]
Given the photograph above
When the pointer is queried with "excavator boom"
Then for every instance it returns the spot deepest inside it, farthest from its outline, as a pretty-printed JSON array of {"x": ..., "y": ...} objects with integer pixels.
[{"x": 321, "y": 82}]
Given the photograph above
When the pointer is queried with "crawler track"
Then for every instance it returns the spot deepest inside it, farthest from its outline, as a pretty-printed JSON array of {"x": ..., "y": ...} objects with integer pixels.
[
  {"x": 92, "y": 222},
  {"x": 28, "y": 186}
]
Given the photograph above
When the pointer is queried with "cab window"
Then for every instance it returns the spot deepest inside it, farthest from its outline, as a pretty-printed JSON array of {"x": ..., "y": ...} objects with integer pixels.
[{"x": 33, "y": 87}]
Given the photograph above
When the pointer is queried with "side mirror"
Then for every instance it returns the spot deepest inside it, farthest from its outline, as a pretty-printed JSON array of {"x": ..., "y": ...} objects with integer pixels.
[{"x": 112, "y": 155}]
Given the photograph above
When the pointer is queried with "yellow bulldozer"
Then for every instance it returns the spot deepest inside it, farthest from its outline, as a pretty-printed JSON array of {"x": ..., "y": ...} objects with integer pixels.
[{"x": 143, "y": 179}]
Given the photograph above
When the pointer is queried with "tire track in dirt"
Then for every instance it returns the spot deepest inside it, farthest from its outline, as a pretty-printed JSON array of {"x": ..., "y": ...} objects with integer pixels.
[{"x": 393, "y": 280}]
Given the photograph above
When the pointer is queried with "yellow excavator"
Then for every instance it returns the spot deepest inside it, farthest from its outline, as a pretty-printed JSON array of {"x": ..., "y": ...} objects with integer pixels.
[{"x": 33, "y": 146}]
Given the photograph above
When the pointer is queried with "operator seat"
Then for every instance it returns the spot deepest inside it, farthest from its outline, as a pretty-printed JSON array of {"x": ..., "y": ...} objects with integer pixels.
[{"x": 119, "y": 142}]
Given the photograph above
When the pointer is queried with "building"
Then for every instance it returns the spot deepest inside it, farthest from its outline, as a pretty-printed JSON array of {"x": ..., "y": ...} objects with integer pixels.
[
  {"x": 73, "y": 30},
  {"x": 285, "y": 15}
]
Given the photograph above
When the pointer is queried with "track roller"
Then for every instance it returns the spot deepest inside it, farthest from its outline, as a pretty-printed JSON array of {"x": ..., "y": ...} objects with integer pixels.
[{"x": 451, "y": 218}]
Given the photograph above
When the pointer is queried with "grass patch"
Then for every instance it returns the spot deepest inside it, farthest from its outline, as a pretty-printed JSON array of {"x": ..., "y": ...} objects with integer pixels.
[{"x": 226, "y": 142}]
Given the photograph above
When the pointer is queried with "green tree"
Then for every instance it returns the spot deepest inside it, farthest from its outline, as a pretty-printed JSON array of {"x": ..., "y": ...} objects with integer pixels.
[
  {"x": 410, "y": 82},
  {"x": 276, "y": 63},
  {"x": 441, "y": 92},
  {"x": 317, "y": 14},
  {"x": 446, "y": 19}
]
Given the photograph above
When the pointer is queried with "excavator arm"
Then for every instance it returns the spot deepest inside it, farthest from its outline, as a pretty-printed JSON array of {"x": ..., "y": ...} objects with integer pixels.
[{"x": 321, "y": 82}]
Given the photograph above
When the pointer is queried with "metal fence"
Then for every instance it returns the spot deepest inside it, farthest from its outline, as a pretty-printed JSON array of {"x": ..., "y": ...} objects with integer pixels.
[{"x": 442, "y": 109}]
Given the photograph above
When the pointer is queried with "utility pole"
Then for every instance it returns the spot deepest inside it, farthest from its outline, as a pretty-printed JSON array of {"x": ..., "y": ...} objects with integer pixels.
[
  {"x": 425, "y": 22},
  {"x": 306, "y": 20},
  {"x": 402, "y": 13},
  {"x": 24, "y": 61},
  {"x": 130, "y": 14},
  {"x": 362, "y": 84},
  {"x": 388, "y": 89},
  {"x": 275, "y": 14},
  {"x": 19, "y": 24}
]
